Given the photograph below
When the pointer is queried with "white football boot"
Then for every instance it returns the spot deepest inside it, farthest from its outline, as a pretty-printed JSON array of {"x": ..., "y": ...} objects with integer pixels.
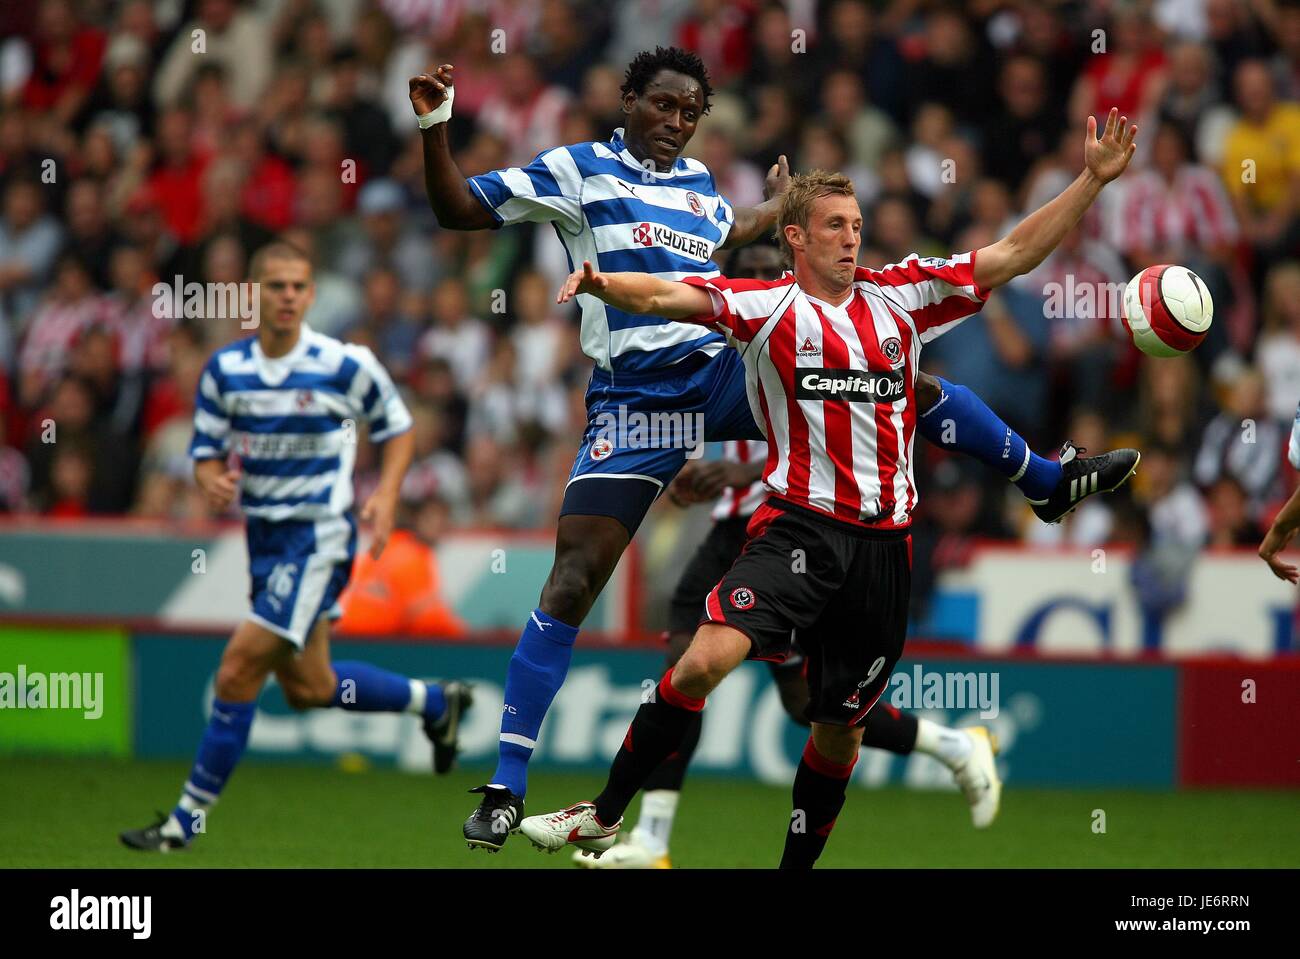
[
  {"x": 631, "y": 853},
  {"x": 978, "y": 777},
  {"x": 575, "y": 826}
]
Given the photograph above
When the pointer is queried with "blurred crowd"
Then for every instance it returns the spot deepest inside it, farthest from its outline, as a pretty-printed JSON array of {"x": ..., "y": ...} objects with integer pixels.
[{"x": 146, "y": 140}]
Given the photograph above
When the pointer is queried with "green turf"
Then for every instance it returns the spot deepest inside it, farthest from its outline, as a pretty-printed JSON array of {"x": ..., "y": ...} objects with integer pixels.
[{"x": 67, "y": 813}]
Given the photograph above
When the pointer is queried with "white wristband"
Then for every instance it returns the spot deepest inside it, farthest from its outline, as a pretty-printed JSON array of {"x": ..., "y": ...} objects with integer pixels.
[{"x": 440, "y": 115}]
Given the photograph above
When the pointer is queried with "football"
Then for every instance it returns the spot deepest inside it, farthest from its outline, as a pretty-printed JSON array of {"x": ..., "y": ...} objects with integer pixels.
[{"x": 1167, "y": 310}]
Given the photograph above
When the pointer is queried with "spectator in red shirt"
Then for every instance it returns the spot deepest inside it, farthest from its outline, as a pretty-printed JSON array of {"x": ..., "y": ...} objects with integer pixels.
[
  {"x": 267, "y": 196},
  {"x": 176, "y": 182},
  {"x": 71, "y": 474},
  {"x": 718, "y": 30},
  {"x": 66, "y": 61},
  {"x": 1128, "y": 74}
]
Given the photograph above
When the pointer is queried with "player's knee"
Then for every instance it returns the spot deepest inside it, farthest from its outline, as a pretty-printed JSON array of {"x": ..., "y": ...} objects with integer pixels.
[
  {"x": 699, "y": 671},
  {"x": 300, "y": 700},
  {"x": 239, "y": 677},
  {"x": 928, "y": 391},
  {"x": 307, "y": 694},
  {"x": 295, "y": 696},
  {"x": 839, "y": 744},
  {"x": 571, "y": 588}
]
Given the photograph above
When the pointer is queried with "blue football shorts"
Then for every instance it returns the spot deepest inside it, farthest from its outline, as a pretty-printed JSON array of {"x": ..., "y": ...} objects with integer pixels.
[
  {"x": 642, "y": 428},
  {"x": 298, "y": 570}
]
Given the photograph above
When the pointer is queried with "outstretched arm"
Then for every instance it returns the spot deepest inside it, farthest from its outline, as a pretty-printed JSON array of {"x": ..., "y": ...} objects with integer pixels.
[
  {"x": 1038, "y": 234},
  {"x": 453, "y": 203},
  {"x": 638, "y": 293},
  {"x": 752, "y": 222},
  {"x": 1279, "y": 536}
]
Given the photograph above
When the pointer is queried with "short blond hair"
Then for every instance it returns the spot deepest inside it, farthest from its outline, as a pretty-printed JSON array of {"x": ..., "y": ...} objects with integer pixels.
[
  {"x": 275, "y": 250},
  {"x": 797, "y": 201}
]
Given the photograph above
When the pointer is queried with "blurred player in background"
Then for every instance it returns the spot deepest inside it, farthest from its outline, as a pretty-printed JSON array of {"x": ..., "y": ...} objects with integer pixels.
[
  {"x": 287, "y": 402},
  {"x": 635, "y": 203},
  {"x": 840, "y": 424},
  {"x": 736, "y": 483}
]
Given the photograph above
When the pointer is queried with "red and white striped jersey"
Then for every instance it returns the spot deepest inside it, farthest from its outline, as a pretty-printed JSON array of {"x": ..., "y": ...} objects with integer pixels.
[
  {"x": 742, "y": 500},
  {"x": 835, "y": 384}
]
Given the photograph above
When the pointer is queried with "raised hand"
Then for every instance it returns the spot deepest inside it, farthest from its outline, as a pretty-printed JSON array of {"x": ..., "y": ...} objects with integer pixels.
[
  {"x": 586, "y": 280},
  {"x": 778, "y": 178},
  {"x": 429, "y": 90},
  {"x": 681, "y": 490},
  {"x": 1107, "y": 156}
]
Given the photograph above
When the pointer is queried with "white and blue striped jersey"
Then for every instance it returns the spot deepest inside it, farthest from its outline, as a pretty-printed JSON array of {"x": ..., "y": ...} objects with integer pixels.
[
  {"x": 609, "y": 209},
  {"x": 293, "y": 421}
]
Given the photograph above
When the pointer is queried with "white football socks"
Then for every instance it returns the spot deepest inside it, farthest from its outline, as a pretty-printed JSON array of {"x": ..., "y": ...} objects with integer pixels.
[
  {"x": 655, "y": 825},
  {"x": 950, "y": 746},
  {"x": 419, "y": 696}
]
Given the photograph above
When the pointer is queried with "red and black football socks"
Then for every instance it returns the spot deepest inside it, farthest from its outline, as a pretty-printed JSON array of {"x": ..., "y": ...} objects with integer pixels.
[
  {"x": 657, "y": 731},
  {"x": 671, "y": 773},
  {"x": 819, "y": 789}
]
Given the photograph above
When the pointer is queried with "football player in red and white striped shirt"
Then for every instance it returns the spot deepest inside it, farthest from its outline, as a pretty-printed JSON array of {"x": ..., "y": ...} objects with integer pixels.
[
  {"x": 734, "y": 485},
  {"x": 830, "y": 352}
]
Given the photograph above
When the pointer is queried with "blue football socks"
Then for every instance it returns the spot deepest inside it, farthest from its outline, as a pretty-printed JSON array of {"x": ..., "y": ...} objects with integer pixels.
[
  {"x": 222, "y": 744},
  {"x": 963, "y": 422},
  {"x": 368, "y": 689},
  {"x": 536, "y": 673}
]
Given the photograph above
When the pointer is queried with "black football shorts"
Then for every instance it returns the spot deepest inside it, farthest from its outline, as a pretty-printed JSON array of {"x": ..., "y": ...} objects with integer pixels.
[
  {"x": 710, "y": 562},
  {"x": 841, "y": 590}
]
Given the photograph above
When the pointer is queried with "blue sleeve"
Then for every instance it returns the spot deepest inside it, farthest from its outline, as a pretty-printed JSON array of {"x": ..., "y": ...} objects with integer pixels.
[
  {"x": 211, "y": 422},
  {"x": 548, "y": 190}
]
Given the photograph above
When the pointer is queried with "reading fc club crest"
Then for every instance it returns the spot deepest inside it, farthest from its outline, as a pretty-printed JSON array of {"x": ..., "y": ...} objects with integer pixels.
[
  {"x": 742, "y": 597},
  {"x": 893, "y": 350},
  {"x": 304, "y": 400},
  {"x": 694, "y": 203},
  {"x": 601, "y": 448}
]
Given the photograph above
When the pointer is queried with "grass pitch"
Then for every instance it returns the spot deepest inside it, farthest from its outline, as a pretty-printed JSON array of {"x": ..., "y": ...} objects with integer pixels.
[{"x": 66, "y": 813}]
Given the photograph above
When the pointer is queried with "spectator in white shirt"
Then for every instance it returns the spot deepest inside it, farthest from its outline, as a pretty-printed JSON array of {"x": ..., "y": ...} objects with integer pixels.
[
  {"x": 457, "y": 336},
  {"x": 542, "y": 338},
  {"x": 238, "y": 40},
  {"x": 1243, "y": 444},
  {"x": 29, "y": 244},
  {"x": 1175, "y": 509},
  {"x": 1278, "y": 350}
]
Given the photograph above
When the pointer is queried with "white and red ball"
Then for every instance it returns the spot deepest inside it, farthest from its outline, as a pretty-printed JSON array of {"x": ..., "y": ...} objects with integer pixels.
[{"x": 1167, "y": 310}]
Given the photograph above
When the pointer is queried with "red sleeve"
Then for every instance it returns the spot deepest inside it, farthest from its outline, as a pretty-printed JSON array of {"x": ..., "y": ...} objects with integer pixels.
[
  {"x": 936, "y": 293},
  {"x": 740, "y": 307}
]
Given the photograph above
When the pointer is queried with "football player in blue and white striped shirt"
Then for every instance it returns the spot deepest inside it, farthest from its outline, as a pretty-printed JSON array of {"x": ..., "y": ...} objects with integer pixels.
[
  {"x": 634, "y": 203},
  {"x": 286, "y": 404}
]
